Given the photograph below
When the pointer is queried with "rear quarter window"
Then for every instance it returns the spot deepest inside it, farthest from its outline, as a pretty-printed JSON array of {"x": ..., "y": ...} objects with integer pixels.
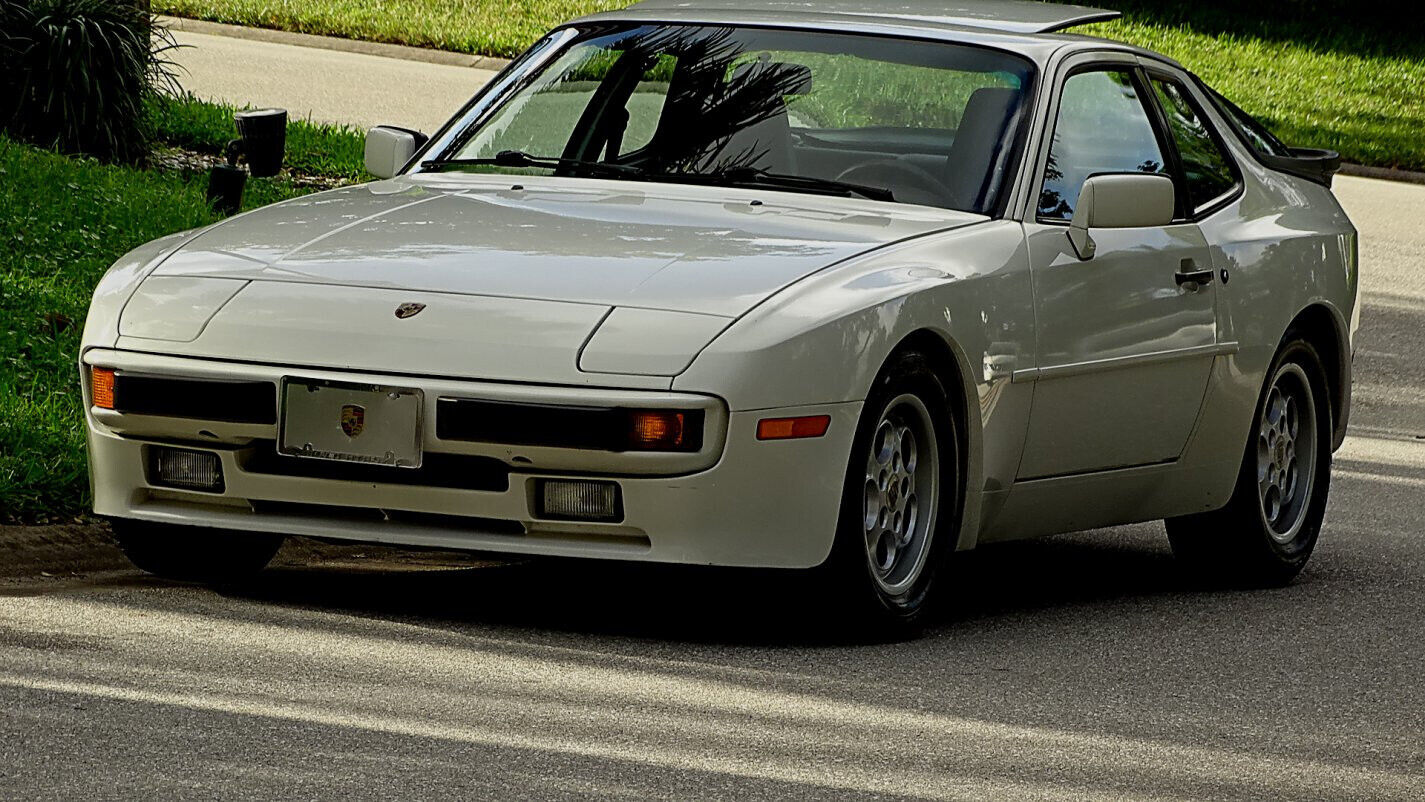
[
  {"x": 1247, "y": 127},
  {"x": 1207, "y": 170}
]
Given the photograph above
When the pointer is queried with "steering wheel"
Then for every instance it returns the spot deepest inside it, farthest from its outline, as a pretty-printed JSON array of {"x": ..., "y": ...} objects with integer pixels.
[{"x": 907, "y": 181}]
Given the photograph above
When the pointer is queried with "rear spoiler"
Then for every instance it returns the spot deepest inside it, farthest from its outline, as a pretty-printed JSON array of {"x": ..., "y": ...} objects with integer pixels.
[{"x": 1313, "y": 164}]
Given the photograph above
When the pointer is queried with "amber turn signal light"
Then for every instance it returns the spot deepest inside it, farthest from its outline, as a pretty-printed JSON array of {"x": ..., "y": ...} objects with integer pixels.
[
  {"x": 101, "y": 387},
  {"x": 791, "y": 428},
  {"x": 656, "y": 430}
]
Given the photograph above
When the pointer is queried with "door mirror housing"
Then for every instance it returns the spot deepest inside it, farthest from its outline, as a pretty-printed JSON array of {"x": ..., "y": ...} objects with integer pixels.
[
  {"x": 1120, "y": 200},
  {"x": 389, "y": 148}
]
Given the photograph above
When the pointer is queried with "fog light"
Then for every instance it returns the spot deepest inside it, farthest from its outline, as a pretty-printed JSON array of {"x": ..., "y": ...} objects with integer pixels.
[
  {"x": 190, "y": 470},
  {"x": 571, "y": 500}
]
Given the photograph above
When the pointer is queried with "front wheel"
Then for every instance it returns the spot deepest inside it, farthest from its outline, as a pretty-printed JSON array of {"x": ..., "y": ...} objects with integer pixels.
[
  {"x": 194, "y": 553},
  {"x": 1269, "y": 528},
  {"x": 900, "y": 503}
]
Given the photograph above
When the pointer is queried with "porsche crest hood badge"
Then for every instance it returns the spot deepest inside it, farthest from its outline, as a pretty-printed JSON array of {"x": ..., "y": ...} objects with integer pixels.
[{"x": 409, "y": 309}]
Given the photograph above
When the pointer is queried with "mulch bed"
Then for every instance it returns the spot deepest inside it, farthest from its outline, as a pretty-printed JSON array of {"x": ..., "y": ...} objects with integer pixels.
[
  {"x": 192, "y": 161},
  {"x": 51, "y": 552}
]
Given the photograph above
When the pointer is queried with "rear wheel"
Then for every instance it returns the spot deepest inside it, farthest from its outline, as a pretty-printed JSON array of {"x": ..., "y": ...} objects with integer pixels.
[
  {"x": 194, "y": 553},
  {"x": 1269, "y": 528},
  {"x": 900, "y": 504}
]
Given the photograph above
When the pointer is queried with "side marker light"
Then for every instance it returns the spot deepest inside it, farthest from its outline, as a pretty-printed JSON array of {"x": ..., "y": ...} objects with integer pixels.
[{"x": 793, "y": 428}]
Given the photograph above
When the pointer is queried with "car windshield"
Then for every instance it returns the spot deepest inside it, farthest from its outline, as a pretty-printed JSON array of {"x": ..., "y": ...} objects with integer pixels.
[{"x": 890, "y": 119}]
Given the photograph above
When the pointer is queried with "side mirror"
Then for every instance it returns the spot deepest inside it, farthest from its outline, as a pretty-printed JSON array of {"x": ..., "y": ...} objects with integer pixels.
[
  {"x": 389, "y": 148},
  {"x": 1120, "y": 200}
]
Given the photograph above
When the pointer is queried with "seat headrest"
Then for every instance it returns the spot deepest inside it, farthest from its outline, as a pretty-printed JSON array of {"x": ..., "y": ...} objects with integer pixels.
[
  {"x": 790, "y": 78},
  {"x": 971, "y": 164}
]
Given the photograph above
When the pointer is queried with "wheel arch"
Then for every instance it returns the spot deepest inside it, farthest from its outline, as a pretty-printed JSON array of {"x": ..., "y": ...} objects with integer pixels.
[
  {"x": 949, "y": 362},
  {"x": 1324, "y": 327}
]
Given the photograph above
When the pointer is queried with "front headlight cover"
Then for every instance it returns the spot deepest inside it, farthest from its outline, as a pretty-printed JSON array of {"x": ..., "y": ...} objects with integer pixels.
[
  {"x": 175, "y": 308},
  {"x": 101, "y": 326},
  {"x": 649, "y": 342}
]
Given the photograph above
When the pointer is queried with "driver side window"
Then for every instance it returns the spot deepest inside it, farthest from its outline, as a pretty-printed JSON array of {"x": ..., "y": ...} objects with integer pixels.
[{"x": 1103, "y": 127}]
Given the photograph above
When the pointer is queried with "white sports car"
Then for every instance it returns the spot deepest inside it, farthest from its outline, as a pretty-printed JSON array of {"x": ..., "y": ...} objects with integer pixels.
[{"x": 834, "y": 286}]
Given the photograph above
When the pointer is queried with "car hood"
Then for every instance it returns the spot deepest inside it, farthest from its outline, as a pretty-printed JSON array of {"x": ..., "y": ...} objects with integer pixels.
[
  {"x": 706, "y": 250},
  {"x": 556, "y": 280}
]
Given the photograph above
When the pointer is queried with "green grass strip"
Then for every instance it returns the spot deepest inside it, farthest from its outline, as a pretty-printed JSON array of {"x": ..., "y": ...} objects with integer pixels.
[{"x": 66, "y": 220}]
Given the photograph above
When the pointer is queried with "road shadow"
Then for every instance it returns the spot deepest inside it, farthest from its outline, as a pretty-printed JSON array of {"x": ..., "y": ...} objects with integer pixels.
[{"x": 725, "y": 606}]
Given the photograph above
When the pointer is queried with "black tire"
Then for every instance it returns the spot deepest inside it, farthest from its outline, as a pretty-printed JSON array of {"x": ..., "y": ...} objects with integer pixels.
[
  {"x": 1244, "y": 543},
  {"x": 856, "y": 575},
  {"x": 194, "y": 553}
]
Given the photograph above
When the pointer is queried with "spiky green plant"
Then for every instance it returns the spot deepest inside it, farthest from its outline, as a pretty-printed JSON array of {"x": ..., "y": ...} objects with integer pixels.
[{"x": 79, "y": 72}]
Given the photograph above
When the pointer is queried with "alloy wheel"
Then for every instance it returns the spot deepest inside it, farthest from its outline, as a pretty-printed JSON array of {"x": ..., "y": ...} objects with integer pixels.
[
  {"x": 1286, "y": 453},
  {"x": 902, "y": 490}
]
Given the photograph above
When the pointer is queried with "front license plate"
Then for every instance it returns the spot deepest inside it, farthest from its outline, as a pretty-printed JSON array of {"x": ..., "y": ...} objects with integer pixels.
[{"x": 351, "y": 422}]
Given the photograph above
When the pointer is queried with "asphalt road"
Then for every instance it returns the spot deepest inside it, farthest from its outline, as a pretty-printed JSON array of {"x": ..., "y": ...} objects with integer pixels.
[{"x": 1081, "y": 666}]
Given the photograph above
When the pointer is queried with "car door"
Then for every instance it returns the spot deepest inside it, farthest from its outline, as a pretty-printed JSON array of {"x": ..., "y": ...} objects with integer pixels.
[{"x": 1125, "y": 344}]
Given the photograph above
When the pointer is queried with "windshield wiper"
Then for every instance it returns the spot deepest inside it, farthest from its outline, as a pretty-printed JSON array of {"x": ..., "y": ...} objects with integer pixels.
[
  {"x": 518, "y": 158},
  {"x": 746, "y": 176},
  {"x": 759, "y": 176}
]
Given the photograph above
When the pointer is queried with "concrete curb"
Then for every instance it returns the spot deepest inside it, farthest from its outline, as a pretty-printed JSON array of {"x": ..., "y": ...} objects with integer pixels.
[
  {"x": 402, "y": 52},
  {"x": 1383, "y": 173}
]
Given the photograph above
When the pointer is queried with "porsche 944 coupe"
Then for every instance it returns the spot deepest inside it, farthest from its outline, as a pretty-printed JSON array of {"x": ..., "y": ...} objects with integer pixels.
[{"x": 843, "y": 286}]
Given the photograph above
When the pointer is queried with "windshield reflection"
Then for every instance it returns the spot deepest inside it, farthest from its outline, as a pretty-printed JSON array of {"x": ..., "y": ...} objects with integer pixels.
[{"x": 919, "y": 122}]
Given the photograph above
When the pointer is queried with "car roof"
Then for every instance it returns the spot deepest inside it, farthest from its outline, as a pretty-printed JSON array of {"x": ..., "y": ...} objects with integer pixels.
[
  {"x": 1026, "y": 27},
  {"x": 1017, "y": 16}
]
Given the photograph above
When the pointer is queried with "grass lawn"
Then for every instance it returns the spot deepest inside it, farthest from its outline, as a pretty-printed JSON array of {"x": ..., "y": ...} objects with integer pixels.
[
  {"x": 1361, "y": 93},
  {"x": 1369, "y": 106},
  {"x": 66, "y": 220},
  {"x": 312, "y": 149}
]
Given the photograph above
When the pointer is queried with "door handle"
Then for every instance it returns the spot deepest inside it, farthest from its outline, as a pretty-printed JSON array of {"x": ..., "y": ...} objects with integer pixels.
[{"x": 1189, "y": 274}]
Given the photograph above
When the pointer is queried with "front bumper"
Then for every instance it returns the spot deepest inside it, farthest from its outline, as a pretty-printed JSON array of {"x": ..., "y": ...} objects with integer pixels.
[{"x": 736, "y": 502}]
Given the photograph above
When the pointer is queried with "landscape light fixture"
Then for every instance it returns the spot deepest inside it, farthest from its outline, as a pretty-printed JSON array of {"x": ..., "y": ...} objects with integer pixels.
[
  {"x": 262, "y": 143},
  {"x": 262, "y": 134}
]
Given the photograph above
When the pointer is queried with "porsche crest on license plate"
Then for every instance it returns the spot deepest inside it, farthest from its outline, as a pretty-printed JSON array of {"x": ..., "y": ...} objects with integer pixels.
[{"x": 353, "y": 420}]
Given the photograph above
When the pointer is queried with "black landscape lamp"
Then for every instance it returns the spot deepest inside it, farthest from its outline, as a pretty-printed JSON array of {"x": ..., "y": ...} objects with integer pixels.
[
  {"x": 225, "y": 183},
  {"x": 263, "y": 133},
  {"x": 262, "y": 141}
]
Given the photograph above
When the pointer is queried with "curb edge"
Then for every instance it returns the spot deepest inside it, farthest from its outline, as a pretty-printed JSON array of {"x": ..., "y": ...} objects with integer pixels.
[
  {"x": 1383, "y": 173},
  {"x": 385, "y": 49}
]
